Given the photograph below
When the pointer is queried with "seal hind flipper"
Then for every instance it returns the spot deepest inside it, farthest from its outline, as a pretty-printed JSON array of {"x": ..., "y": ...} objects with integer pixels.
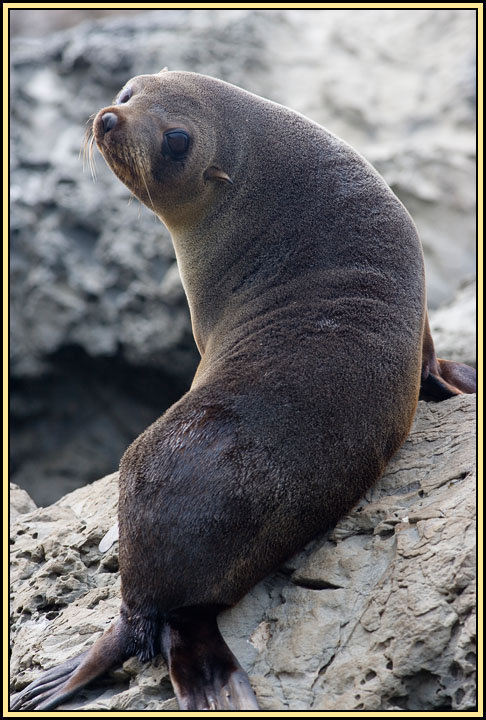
[
  {"x": 60, "y": 683},
  {"x": 29, "y": 696},
  {"x": 442, "y": 379},
  {"x": 204, "y": 672},
  {"x": 461, "y": 377},
  {"x": 451, "y": 379}
]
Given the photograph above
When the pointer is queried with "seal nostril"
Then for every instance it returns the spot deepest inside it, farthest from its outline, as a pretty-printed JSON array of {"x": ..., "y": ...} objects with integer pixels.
[{"x": 109, "y": 121}]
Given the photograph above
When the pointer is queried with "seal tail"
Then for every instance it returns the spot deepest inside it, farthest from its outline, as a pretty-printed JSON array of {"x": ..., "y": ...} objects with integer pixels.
[
  {"x": 204, "y": 672},
  {"x": 62, "y": 682},
  {"x": 442, "y": 379}
]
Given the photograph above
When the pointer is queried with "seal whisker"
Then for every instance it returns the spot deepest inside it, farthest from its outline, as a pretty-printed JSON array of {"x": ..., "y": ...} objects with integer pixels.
[
  {"x": 137, "y": 165},
  {"x": 87, "y": 150},
  {"x": 91, "y": 157},
  {"x": 87, "y": 134},
  {"x": 83, "y": 149},
  {"x": 146, "y": 188}
]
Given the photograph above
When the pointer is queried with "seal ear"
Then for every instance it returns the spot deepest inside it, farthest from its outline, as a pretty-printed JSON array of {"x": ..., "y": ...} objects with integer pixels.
[
  {"x": 442, "y": 379},
  {"x": 215, "y": 173},
  {"x": 165, "y": 69}
]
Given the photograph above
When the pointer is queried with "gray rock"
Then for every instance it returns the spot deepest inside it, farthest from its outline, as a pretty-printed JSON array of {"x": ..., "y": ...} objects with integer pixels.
[
  {"x": 377, "y": 615},
  {"x": 20, "y": 502},
  {"x": 454, "y": 327}
]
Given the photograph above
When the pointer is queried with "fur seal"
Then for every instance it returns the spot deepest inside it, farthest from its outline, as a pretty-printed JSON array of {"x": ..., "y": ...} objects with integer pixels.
[{"x": 304, "y": 276}]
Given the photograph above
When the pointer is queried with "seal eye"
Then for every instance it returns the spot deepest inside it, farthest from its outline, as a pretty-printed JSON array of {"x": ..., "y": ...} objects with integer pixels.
[
  {"x": 125, "y": 96},
  {"x": 176, "y": 143}
]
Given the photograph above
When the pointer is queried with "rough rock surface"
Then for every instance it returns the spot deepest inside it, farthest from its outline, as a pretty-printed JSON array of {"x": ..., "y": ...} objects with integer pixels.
[
  {"x": 20, "y": 502},
  {"x": 454, "y": 327},
  {"x": 378, "y": 614},
  {"x": 100, "y": 334}
]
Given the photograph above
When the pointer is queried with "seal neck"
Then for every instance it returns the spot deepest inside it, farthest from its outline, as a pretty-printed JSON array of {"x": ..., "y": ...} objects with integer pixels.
[
  {"x": 209, "y": 285},
  {"x": 230, "y": 278}
]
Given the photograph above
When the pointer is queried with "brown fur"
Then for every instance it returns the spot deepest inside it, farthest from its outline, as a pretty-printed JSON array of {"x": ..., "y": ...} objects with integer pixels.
[{"x": 304, "y": 277}]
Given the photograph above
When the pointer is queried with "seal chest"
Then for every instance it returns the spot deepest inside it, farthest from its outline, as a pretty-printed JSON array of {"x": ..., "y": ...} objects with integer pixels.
[{"x": 304, "y": 277}]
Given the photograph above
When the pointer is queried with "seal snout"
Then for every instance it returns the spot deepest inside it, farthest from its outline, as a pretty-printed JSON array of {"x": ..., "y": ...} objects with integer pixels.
[
  {"x": 109, "y": 120},
  {"x": 104, "y": 123}
]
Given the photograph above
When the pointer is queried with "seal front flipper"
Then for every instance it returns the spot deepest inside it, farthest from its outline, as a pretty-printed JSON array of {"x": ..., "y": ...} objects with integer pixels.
[
  {"x": 442, "y": 379},
  {"x": 60, "y": 683},
  {"x": 111, "y": 537},
  {"x": 204, "y": 672}
]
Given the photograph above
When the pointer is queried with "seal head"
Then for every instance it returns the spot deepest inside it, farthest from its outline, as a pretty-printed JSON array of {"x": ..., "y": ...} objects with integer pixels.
[{"x": 166, "y": 156}]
